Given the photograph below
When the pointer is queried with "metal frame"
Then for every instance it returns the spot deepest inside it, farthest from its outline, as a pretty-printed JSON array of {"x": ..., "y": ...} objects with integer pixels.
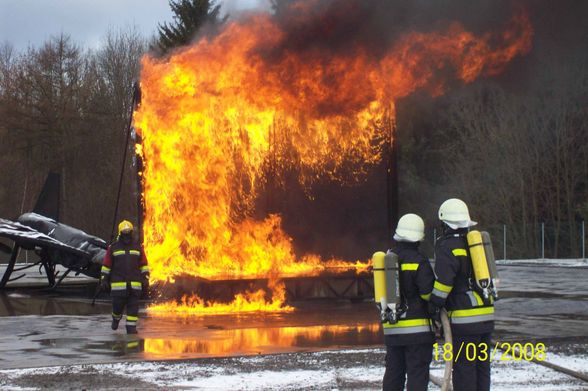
[
  {"x": 347, "y": 286},
  {"x": 44, "y": 263},
  {"x": 10, "y": 267}
]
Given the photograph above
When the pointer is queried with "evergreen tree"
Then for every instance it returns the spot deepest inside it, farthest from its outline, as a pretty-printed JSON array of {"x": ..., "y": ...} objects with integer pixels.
[{"x": 189, "y": 17}]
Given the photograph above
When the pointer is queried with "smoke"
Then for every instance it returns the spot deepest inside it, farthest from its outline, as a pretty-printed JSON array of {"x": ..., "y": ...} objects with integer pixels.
[
  {"x": 342, "y": 25},
  {"x": 236, "y": 7}
]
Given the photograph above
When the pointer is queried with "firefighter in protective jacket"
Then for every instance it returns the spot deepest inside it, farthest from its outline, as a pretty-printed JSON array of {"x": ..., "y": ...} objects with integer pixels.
[
  {"x": 409, "y": 343},
  {"x": 471, "y": 316},
  {"x": 126, "y": 273}
]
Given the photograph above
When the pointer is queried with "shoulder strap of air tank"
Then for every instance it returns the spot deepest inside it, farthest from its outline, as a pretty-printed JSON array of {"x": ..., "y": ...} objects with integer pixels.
[
  {"x": 470, "y": 276},
  {"x": 463, "y": 235},
  {"x": 447, "y": 236},
  {"x": 403, "y": 306}
]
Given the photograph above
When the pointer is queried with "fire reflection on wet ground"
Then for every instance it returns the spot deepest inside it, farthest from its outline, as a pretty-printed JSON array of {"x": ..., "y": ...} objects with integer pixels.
[
  {"x": 538, "y": 304},
  {"x": 73, "y": 331},
  {"x": 264, "y": 340},
  {"x": 214, "y": 343},
  {"x": 311, "y": 327}
]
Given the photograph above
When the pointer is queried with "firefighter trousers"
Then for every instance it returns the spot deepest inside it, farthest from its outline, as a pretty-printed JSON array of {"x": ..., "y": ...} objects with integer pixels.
[
  {"x": 472, "y": 374},
  {"x": 128, "y": 299},
  {"x": 408, "y": 363}
]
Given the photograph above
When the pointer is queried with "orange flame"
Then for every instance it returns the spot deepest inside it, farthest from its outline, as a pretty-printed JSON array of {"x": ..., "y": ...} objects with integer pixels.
[
  {"x": 215, "y": 114},
  {"x": 256, "y": 340},
  {"x": 243, "y": 303}
]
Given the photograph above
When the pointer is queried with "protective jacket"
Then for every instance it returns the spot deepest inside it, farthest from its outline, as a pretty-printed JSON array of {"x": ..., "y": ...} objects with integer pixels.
[
  {"x": 125, "y": 266},
  {"x": 416, "y": 284},
  {"x": 454, "y": 289}
]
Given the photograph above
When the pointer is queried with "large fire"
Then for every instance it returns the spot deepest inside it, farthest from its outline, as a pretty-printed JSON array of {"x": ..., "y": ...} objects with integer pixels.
[{"x": 218, "y": 117}]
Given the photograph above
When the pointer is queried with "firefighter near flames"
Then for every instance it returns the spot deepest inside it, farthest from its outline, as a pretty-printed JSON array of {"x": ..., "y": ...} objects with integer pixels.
[
  {"x": 403, "y": 281},
  {"x": 465, "y": 286},
  {"x": 411, "y": 300},
  {"x": 126, "y": 274}
]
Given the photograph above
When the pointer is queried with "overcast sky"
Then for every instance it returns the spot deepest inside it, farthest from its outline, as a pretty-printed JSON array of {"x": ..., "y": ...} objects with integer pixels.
[{"x": 31, "y": 22}]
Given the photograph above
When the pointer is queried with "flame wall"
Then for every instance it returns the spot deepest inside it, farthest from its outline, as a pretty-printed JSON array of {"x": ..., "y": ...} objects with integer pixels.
[{"x": 311, "y": 86}]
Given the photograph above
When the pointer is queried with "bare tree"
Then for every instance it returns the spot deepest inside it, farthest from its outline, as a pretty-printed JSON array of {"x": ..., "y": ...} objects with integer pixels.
[
  {"x": 520, "y": 159},
  {"x": 65, "y": 109},
  {"x": 118, "y": 61}
]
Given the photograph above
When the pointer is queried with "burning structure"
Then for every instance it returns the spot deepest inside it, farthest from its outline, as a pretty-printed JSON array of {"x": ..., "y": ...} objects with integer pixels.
[{"x": 311, "y": 87}]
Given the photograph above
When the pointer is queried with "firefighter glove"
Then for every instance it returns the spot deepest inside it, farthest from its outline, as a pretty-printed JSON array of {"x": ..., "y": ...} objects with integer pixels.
[
  {"x": 145, "y": 288},
  {"x": 104, "y": 283},
  {"x": 434, "y": 312}
]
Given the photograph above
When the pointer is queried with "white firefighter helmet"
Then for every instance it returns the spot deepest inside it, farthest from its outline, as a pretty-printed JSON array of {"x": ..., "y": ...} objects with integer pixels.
[
  {"x": 454, "y": 212},
  {"x": 411, "y": 228}
]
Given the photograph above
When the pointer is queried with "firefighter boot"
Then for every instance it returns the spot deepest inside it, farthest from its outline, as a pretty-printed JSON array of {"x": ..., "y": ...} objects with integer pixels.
[
  {"x": 131, "y": 329},
  {"x": 115, "y": 322}
]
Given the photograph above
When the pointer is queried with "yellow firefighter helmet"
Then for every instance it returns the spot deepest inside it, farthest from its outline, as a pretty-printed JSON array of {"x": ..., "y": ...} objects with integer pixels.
[{"x": 125, "y": 226}]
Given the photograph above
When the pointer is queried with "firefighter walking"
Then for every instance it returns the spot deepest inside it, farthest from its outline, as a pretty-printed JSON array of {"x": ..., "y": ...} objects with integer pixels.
[
  {"x": 471, "y": 313},
  {"x": 409, "y": 342},
  {"x": 126, "y": 274}
]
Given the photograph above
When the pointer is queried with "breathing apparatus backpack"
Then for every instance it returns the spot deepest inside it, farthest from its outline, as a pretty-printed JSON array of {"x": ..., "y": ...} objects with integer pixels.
[
  {"x": 485, "y": 274},
  {"x": 387, "y": 286}
]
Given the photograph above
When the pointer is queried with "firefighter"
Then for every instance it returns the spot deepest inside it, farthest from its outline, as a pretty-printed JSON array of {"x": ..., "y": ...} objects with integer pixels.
[
  {"x": 471, "y": 316},
  {"x": 409, "y": 343},
  {"x": 126, "y": 274}
]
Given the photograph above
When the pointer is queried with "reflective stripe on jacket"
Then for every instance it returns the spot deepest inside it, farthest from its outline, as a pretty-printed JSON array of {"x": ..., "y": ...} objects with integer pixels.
[
  {"x": 408, "y": 326},
  {"x": 120, "y": 286}
]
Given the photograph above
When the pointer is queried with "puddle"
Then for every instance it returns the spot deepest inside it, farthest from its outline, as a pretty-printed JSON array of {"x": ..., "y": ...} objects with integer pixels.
[
  {"x": 265, "y": 340},
  {"x": 36, "y": 330}
]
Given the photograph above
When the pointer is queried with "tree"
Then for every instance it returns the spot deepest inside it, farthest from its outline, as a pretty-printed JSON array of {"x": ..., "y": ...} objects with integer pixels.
[
  {"x": 118, "y": 64},
  {"x": 65, "y": 109},
  {"x": 7, "y": 59},
  {"x": 520, "y": 159},
  {"x": 118, "y": 61},
  {"x": 189, "y": 17}
]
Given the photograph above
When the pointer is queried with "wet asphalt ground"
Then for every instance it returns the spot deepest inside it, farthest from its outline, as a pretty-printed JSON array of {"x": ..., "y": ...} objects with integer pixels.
[{"x": 538, "y": 304}]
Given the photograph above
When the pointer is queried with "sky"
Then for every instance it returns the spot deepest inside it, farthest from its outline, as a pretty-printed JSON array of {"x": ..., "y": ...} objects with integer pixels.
[{"x": 25, "y": 23}]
